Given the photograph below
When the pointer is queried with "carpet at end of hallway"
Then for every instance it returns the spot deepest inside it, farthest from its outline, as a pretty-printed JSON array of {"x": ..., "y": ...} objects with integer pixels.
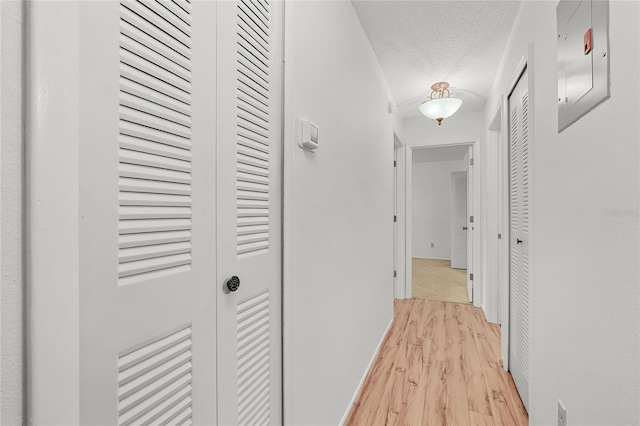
[{"x": 435, "y": 279}]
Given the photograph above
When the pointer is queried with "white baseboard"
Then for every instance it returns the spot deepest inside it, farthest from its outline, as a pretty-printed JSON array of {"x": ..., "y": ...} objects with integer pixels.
[
  {"x": 366, "y": 373},
  {"x": 431, "y": 258}
]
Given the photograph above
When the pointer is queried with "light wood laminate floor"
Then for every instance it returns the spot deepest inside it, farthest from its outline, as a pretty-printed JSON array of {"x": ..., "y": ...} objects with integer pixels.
[{"x": 440, "y": 364}]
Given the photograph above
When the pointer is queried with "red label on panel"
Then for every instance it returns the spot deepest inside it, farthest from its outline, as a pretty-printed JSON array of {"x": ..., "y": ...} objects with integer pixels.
[{"x": 587, "y": 42}]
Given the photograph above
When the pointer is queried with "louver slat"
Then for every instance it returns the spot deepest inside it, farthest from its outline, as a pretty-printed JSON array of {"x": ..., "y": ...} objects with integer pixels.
[
  {"x": 514, "y": 172},
  {"x": 155, "y": 140},
  {"x": 254, "y": 362},
  {"x": 253, "y": 127},
  {"x": 525, "y": 163},
  {"x": 524, "y": 279},
  {"x": 154, "y": 381},
  {"x": 162, "y": 20}
]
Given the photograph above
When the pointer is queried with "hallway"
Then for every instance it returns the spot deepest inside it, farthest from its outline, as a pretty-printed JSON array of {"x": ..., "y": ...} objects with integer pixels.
[
  {"x": 439, "y": 365},
  {"x": 193, "y": 227}
]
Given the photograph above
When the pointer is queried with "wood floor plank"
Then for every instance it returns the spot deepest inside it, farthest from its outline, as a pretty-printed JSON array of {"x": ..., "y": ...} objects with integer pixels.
[
  {"x": 434, "y": 408},
  {"x": 519, "y": 411},
  {"x": 407, "y": 372},
  {"x": 477, "y": 394},
  {"x": 439, "y": 365},
  {"x": 493, "y": 334},
  {"x": 490, "y": 354},
  {"x": 457, "y": 406},
  {"x": 417, "y": 372},
  {"x": 436, "y": 329},
  {"x": 503, "y": 414},
  {"x": 495, "y": 329},
  {"x": 382, "y": 367},
  {"x": 393, "y": 400},
  {"x": 478, "y": 419}
]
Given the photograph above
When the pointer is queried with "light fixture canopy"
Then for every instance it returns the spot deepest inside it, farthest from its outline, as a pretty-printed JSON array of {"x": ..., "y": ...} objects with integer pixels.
[{"x": 440, "y": 104}]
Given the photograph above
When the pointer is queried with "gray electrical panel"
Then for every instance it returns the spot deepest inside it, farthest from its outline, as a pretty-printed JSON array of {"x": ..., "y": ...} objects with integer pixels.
[{"x": 583, "y": 58}]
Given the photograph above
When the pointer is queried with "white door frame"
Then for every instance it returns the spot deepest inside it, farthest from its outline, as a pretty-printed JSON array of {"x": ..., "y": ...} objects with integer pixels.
[
  {"x": 53, "y": 213},
  {"x": 473, "y": 206},
  {"x": 525, "y": 63},
  {"x": 495, "y": 215},
  {"x": 400, "y": 290},
  {"x": 408, "y": 221},
  {"x": 473, "y": 185}
]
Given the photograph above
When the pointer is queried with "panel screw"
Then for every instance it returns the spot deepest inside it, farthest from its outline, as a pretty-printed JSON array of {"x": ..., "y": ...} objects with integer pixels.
[{"x": 604, "y": 54}]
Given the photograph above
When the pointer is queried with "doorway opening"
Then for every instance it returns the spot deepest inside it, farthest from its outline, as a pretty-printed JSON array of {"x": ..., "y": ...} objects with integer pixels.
[{"x": 442, "y": 223}]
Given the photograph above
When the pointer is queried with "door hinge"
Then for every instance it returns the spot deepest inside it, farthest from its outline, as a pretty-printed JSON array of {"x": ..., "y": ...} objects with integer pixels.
[
  {"x": 395, "y": 163},
  {"x": 471, "y": 161},
  {"x": 471, "y": 277},
  {"x": 395, "y": 218},
  {"x": 395, "y": 274},
  {"x": 471, "y": 219}
]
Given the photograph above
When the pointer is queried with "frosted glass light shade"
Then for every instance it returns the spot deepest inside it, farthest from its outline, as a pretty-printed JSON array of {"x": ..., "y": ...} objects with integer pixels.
[{"x": 440, "y": 108}]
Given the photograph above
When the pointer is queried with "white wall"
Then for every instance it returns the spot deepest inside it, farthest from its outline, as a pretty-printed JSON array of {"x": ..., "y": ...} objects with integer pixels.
[
  {"x": 11, "y": 213},
  {"x": 585, "y": 229},
  {"x": 432, "y": 208},
  {"x": 338, "y": 269}
]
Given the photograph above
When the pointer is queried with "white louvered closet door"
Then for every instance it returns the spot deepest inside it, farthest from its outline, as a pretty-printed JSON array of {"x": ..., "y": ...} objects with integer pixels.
[
  {"x": 250, "y": 73},
  {"x": 147, "y": 207},
  {"x": 519, "y": 332}
]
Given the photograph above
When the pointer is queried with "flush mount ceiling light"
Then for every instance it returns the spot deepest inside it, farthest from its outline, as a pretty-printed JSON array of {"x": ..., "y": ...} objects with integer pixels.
[{"x": 440, "y": 104}]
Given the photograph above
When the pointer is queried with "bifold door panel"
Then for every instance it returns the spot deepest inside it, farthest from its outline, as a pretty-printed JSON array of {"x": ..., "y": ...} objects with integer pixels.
[
  {"x": 519, "y": 331},
  {"x": 249, "y": 209},
  {"x": 147, "y": 234}
]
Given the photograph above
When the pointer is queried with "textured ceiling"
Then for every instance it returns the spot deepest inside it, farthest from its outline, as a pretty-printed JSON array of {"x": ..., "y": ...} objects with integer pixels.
[
  {"x": 419, "y": 43},
  {"x": 445, "y": 153}
]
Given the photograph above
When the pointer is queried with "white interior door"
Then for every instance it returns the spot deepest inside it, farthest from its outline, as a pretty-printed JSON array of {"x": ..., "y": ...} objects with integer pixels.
[
  {"x": 147, "y": 208},
  {"x": 519, "y": 333},
  {"x": 459, "y": 225},
  {"x": 395, "y": 222},
  {"x": 250, "y": 75}
]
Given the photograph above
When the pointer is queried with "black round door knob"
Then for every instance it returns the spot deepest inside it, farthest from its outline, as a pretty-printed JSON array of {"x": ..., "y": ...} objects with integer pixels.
[
  {"x": 233, "y": 283},
  {"x": 464, "y": 228}
]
